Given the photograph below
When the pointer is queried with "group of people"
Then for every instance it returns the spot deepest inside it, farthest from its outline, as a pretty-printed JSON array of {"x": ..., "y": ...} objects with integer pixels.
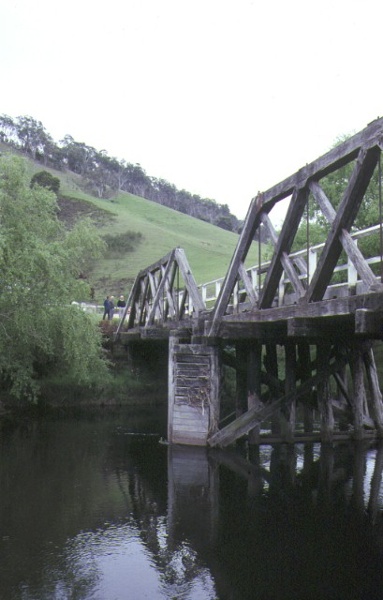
[{"x": 109, "y": 307}]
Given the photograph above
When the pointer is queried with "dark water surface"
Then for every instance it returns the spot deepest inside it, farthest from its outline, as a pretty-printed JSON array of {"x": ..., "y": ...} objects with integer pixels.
[{"x": 97, "y": 509}]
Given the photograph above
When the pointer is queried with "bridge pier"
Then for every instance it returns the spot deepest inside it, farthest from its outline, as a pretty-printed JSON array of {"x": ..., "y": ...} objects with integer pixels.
[{"x": 194, "y": 372}]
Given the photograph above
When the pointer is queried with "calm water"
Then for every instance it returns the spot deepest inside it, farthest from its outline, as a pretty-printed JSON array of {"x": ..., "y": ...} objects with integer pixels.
[{"x": 98, "y": 509}]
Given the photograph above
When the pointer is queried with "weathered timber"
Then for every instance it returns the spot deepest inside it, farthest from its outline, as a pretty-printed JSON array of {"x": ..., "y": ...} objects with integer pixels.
[
  {"x": 285, "y": 260},
  {"x": 247, "y": 421},
  {"x": 288, "y": 409},
  {"x": 193, "y": 395},
  {"x": 252, "y": 221},
  {"x": 373, "y": 384},
  {"x": 346, "y": 240},
  {"x": 374, "y": 507},
  {"x": 347, "y": 211},
  {"x": 318, "y": 327},
  {"x": 324, "y": 401},
  {"x": 283, "y": 246},
  {"x": 359, "y": 391},
  {"x": 328, "y": 163},
  {"x": 369, "y": 323},
  {"x": 336, "y": 306}
]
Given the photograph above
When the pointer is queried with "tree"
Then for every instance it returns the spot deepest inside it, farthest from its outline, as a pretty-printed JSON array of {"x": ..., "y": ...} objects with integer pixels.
[
  {"x": 40, "y": 267},
  {"x": 32, "y": 136},
  {"x": 47, "y": 180}
]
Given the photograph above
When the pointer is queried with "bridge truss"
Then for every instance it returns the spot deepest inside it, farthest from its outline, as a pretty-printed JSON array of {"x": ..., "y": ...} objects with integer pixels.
[{"x": 299, "y": 337}]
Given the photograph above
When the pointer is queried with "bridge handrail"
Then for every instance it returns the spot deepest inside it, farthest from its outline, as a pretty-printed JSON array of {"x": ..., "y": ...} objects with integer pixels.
[{"x": 312, "y": 251}]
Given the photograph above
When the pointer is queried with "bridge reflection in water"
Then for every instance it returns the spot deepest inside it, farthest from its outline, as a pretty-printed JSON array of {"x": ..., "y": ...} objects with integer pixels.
[
  {"x": 92, "y": 509},
  {"x": 286, "y": 522}
]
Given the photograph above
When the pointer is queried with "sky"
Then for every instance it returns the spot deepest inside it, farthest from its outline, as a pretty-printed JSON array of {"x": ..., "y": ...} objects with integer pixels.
[{"x": 222, "y": 98}]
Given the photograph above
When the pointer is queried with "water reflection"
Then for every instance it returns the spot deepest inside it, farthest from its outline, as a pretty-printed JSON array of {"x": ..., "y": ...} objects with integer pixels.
[{"x": 92, "y": 510}]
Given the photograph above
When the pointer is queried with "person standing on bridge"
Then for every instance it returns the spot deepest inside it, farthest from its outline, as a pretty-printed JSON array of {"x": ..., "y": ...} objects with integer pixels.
[
  {"x": 121, "y": 304},
  {"x": 106, "y": 308}
]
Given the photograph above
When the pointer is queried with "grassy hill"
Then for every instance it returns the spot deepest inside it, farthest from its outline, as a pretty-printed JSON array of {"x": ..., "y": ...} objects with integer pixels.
[{"x": 208, "y": 248}]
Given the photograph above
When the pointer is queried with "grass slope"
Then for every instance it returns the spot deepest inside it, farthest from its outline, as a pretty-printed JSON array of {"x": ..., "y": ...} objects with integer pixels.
[{"x": 208, "y": 248}]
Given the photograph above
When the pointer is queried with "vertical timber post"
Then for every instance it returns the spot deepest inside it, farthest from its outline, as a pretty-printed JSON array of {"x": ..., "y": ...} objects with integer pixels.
[
  {"x": 323, "y": 388},
  {"x": 305, "y": 375},
  {"x": 288, "y": 410},
  {"x": 373, "y": 384},
  {"x": 359, "y": 391},
  {"x": 271, "y": 364},
  {"x": 241, "y": 378},
  {"x": 254, "y": 384}
]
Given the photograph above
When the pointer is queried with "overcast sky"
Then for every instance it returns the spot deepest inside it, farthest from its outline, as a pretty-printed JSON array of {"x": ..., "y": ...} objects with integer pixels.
[{"x": 223, "y": 98}]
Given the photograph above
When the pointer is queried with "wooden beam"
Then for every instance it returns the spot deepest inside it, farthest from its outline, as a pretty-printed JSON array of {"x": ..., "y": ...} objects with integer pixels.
[
  {"x": 369, "y": 323},
  {"x": 287, "y": 263},
  {"x": 252, "y": 221},
  {"x": 344, "y": 220},
  {"x": 283, "y": 246},
  {"x": 189, "y": 280},
  {"x": 349, "y": 245},
  {"x": 251, "y": 293},
  {"x": 161, "y": 287},
  {"x": 323, "y": 389},
  {"x": 328, "y": 163},
  {"x": 318, "y": 327},
  {"x": 255, "y": 416},
  {"x": 374, "y": 387}
]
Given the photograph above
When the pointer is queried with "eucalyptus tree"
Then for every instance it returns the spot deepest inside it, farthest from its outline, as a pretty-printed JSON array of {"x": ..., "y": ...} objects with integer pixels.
[{"x": 40, "y": 268}]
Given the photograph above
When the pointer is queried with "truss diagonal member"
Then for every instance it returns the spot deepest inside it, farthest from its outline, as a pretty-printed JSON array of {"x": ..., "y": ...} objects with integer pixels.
[
  {"x": 344, "y": 219},
  {"x": 189, "y": 280},
  {"x": 143, "y": 305},
  {"x": 169, "y": 304},
  {"x": 161, "y": 288},
  {"x": 250, "y": 291},
  {"x": 287, "y": 263},
  {"x": 252, "y": 222},
  {"x": 348, "y": 244},
  {"x": 129, "y": 305},
  {"x": 283, "y": 246}
]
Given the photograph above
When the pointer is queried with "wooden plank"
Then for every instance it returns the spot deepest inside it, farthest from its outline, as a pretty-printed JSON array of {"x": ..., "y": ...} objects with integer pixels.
[{"x": 346, "y": 305}]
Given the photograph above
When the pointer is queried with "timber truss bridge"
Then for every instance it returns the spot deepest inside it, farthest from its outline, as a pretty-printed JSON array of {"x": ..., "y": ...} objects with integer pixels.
[{"x": 300, "y": 333}]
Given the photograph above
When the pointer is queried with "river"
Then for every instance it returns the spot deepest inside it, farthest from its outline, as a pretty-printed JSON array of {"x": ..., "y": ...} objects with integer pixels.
[{"x": 95, "y": 508}]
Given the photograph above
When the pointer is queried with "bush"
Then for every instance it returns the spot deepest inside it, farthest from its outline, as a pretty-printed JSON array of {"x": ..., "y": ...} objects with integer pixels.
[{"x": 47, "y": 180}]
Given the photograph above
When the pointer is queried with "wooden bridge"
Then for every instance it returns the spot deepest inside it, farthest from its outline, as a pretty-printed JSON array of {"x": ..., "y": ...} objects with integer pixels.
[{"x": 297, "y": 332}]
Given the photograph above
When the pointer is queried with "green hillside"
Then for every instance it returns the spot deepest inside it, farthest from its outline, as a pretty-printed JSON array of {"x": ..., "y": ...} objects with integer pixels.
[{"x": 208, "y": 248}]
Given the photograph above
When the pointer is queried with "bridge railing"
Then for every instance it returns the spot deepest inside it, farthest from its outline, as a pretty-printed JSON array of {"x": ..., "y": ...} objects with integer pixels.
[{"x": 346, "y": 271}]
